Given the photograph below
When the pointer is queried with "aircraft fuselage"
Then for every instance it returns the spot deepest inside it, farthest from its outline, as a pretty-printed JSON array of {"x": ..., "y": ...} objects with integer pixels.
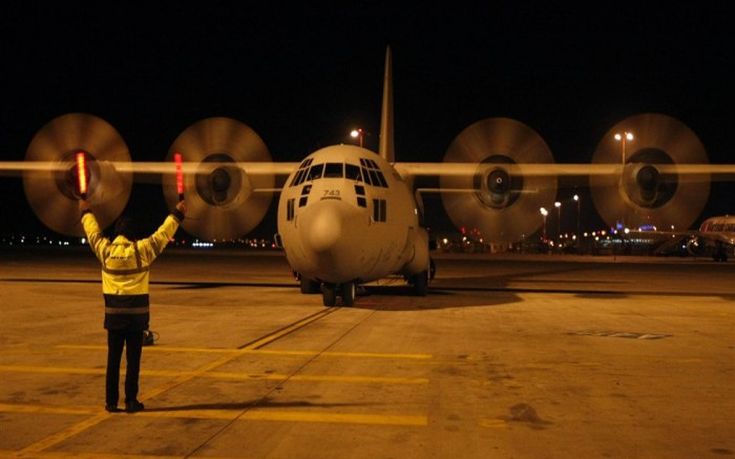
[{"x": 346, "y": 216}]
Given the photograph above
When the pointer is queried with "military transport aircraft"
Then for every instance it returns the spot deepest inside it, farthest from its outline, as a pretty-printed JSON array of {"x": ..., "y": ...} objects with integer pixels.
[{"x": 347, "y": 215}]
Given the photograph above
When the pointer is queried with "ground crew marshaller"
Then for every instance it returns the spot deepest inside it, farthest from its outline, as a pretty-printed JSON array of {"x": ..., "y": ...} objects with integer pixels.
[{"x": 125, "y": 266}]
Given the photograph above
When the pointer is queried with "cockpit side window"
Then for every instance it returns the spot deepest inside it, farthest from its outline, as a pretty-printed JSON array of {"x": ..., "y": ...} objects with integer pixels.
[
  {"x": 352, "y": 172},
  {"x": 301, "y": 174},
  {"x": 372, "y": 173},
  {"x": 366, "y": 176}
]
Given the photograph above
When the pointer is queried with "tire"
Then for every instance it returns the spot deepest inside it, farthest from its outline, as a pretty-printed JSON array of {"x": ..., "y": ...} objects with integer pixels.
[
  {"x": 348, "y": 294},
  {"x": 329, "y": 295},
  {"x": 421, "y": 283}
]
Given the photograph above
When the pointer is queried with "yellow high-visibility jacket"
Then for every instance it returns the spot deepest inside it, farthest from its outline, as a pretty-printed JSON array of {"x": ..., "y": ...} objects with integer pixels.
[{"x": 125, "y": 271}]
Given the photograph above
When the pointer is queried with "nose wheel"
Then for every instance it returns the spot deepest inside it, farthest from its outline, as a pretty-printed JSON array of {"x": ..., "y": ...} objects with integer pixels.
[{"x": 345, "y": 291}]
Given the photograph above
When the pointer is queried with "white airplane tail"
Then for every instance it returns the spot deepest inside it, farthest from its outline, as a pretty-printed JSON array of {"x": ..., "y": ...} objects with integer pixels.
[{"x": 386, "y": 147}]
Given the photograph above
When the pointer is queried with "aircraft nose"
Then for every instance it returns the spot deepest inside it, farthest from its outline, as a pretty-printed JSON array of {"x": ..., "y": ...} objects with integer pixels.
[{"x": 322, "y": 229}]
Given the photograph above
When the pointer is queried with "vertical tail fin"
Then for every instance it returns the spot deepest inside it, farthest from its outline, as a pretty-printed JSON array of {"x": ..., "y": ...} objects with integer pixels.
[{"x": 386, "y": 148}]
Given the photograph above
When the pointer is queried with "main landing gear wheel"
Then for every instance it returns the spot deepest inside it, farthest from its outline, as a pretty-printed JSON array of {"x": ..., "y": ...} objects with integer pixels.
[
  {"x": 720, "y": 252},
  {"x": 329, "y": 295},
  {"x": 420, "y": 283},
  {"x": 346, "y": 292}
]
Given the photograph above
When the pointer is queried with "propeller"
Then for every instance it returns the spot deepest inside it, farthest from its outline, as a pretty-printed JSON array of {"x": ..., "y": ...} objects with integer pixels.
[
  {"x": 223, "y": 200},
  {"x": 649, "y": 191},
  {"x": 502, "y": 206},
  {"x": 52, "y": 191}
]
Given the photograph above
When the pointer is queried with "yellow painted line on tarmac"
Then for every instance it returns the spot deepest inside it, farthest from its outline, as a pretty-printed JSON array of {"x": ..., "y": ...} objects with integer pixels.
[
  {"x": 493, "y": 423},
  {"x": 63, "y": 455},
  {"x": 360, "y": 379},
  {"x": 61, "y": 370},
  {"x": 159, "y": 348},
  {"x": 264, "y": 414},
  {"x": 47, "y": 409},
  {"x": 221, "y": 375},
  {"x": 370, "y": 355},
  {"x": 339, "y": 418},
  {"x": 254, "y": 414},
  {"x": 64, "y": 434}
]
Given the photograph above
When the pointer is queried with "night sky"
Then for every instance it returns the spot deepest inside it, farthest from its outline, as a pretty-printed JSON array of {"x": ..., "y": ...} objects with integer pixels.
[{"x": 303, "y": 76}]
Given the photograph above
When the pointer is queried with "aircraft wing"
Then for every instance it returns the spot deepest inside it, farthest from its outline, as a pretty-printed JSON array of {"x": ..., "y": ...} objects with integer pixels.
[
  {"x": 717, "y": 171},
  {"x": 253, "y": 167}
]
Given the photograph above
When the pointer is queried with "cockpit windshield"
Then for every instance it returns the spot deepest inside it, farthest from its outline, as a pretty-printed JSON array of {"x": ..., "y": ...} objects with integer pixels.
[
  {"x": 368, "y": 172},
  {"x": 333, "y": 170},
  {"x": 316, "y": 171}
]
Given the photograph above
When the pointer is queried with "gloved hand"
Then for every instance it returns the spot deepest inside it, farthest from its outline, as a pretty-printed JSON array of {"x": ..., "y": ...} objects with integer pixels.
[
  {"x": 181, "y": 207},
  {"x": 83, "y": 205}
]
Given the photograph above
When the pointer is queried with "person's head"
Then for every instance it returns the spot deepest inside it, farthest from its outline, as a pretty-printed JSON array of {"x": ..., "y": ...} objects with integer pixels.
[{"x": 125, "y": 226}]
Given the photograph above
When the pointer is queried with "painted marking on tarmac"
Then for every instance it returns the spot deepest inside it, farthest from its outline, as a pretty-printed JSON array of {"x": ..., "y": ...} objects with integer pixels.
[
  {"x": 159, "y": 348},
  {"x": 64, "y": 455},
  {"x": 493, "y": 423},
  {"x": 48, "y": 409},
  {"x": 221, "y": 375},
  {"x": 254, "y": 414},
  {"x": 71, "y": 431},
  {"x": 65, "y": 434}
]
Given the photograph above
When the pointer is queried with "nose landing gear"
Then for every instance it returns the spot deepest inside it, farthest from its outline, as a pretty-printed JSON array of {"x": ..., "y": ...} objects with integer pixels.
[{"x": 345, "y": 291}]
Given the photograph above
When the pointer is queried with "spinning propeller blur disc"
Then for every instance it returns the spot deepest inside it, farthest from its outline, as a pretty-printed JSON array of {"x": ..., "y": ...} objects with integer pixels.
[
  {"x": 657, "y": 139},
  {"x": 513, "y": 214},
  {"x": 222, "y": 199},
  {"x": 52, "y": 192}
]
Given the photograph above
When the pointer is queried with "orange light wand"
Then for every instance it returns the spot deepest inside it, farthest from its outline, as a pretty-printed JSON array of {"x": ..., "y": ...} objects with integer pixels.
[
  {"x": 179, "y": 176},
  {"x": 82, "y": 174}
]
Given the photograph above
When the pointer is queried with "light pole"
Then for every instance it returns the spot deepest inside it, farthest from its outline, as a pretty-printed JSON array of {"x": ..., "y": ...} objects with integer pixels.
[
  {"x": 624, "y": 138},
  {"x": 576, "y": 199},
  {"x": 557, "y": 204},
  {"x": 544, "y": 213},
  {"x": 358, "y": 133}
]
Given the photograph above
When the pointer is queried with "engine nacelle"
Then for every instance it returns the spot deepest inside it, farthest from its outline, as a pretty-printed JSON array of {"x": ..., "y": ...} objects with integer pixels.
[
  {"x": 502, "y": 206},
  {"x": 52, "y": 190},
  {"x": 697, "y": 247},
  {"x": 648, "y": 192},
  {"x": 223, "y": 200}
]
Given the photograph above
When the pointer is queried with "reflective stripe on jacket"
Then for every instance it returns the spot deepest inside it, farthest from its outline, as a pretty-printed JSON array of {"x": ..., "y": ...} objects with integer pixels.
[{"x": 125, "y": 267}]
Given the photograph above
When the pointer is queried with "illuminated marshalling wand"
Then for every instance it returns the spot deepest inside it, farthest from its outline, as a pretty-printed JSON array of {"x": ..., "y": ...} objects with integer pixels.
[
  {"x": 179, "y": 175},
  {"x": 82, "y": 174}
]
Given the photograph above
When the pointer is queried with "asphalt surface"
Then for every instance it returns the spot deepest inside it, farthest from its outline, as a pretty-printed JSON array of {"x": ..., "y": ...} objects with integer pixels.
[{"x": 508, "y": 356}]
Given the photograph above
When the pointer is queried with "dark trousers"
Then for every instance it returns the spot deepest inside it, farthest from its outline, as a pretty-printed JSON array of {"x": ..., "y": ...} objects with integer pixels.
[{"x": 133, "y": 341}]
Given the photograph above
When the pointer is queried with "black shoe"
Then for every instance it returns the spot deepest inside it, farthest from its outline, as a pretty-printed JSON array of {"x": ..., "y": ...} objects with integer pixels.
[
  {"x": 134, "y": 406},
  {"x": 112, "y": 408}
]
